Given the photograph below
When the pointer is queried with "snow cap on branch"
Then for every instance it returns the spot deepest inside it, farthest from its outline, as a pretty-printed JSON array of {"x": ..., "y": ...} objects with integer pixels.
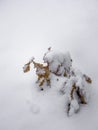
[{"x": 58, "y": 62}]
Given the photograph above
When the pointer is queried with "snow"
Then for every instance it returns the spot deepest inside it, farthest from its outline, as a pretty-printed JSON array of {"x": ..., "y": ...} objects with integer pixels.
[
  {"x": 28, "y": 28},
  {"x": 58, "y": 61},
  {"x": 74, "y": 107}
]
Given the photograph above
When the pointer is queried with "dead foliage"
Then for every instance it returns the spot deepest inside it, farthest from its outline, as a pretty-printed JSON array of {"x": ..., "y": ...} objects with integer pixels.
[
  {"x": 41, "y": 71},
  {"x": 76, "y": 90},
  {"x": 88, "y": 79}
]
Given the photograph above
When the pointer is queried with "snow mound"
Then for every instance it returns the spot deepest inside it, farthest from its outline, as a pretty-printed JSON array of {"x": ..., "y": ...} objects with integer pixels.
[{"x": 58, "y": 62}]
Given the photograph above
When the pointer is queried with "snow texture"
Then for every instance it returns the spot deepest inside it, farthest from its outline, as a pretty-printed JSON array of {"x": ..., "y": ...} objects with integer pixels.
[
  {"x": 58, "y": 62},
  {"x": 28, "y": 28}
]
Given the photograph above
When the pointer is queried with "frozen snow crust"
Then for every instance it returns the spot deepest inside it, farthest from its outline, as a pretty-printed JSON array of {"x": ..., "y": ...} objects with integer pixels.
[{"x": 70, "y": 82}]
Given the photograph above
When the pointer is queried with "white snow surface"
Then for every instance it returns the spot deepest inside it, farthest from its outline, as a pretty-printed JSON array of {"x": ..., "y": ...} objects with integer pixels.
[{"x": 28, "y": 28}]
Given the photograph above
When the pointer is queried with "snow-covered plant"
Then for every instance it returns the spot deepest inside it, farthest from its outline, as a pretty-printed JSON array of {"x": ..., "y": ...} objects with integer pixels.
[
  {"x": 76, "y": 88},
  {"x": 59, "y": 63},
  {"x": 75, "y": 85},
  {"x": 41, "y": 71}
]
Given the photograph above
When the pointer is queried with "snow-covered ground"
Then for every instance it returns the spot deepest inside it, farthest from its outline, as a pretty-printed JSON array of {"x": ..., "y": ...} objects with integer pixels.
[{"x": 28, "y": 28}]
